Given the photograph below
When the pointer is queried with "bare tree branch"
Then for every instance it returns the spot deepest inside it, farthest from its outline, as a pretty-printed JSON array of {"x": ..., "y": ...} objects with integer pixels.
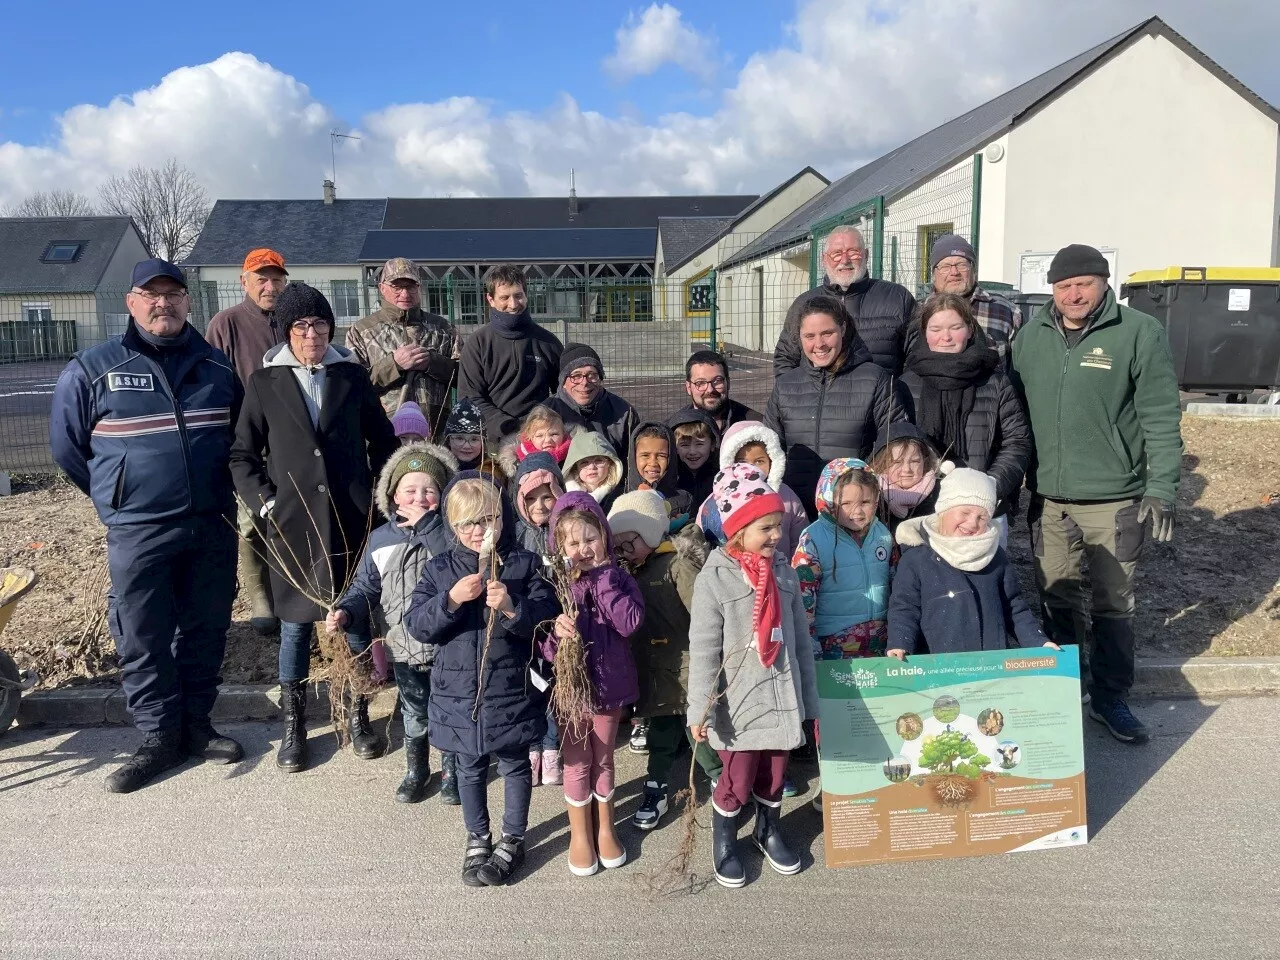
[
  {"x": 55, "y": 203},
  {"x": 168, "y": 205}
]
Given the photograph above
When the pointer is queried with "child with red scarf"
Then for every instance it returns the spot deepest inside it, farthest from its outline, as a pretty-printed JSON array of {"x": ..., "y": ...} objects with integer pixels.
[{"x": 752, "y": 680}]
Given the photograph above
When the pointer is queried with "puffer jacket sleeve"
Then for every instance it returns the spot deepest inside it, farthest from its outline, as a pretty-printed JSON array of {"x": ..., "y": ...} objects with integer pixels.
[
  {"x": 1013, "y": 453},
  {"x": 904, "y": 604},
  {"x": 71, "y": 424},
  {"x": 618, "y": 596},
  {"x": 706, "y": 649},
  {"x": 773, "y": 416},
  {"x": 891, "y": 402},
  {"x": 429, "y": 619}
]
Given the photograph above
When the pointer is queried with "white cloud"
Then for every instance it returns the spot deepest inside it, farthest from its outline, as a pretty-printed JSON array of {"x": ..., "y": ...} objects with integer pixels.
[
  {"x": 851, "y": 80},
  {"x": 657, "y": 37}
]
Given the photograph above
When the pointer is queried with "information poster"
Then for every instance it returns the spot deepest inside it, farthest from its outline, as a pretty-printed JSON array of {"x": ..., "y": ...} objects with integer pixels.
[{"x": 954, "y": 755}]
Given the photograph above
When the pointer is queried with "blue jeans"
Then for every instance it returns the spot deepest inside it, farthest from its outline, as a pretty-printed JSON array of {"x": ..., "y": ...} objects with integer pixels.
[
  {"x": 551, "y": 741},
  {"x": 473, "y": 790},
  {"x": 414, "y": 684},
  {"x": 295, "y": 649}
]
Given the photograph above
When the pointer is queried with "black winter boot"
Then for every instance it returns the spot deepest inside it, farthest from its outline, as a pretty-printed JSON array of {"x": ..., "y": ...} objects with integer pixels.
[
  {"x": 768, "y": 837},
  {"x": 449, "y": 780},
  {"x": 161, "y": 750},
  {"x": 479, "y": 850},
  {"x": 201, "y": 740},
  {"x": 504, "y": 861},
  {"x": 413, "y": 788},
  {"x": 292, "y": 755},
  {"x": 728, "y": 868},
  {"x": 365, "y": 744}
]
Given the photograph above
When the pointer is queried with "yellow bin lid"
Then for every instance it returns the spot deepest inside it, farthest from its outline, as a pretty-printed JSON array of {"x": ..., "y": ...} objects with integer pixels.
[{"x": 1207, "y": 275}]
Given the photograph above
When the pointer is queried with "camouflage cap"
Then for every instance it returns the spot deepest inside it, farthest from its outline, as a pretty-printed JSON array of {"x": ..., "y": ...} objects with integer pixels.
[{"x": 400, "y": 268}]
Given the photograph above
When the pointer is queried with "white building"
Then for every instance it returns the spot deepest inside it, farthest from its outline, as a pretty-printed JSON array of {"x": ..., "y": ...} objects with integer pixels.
[{"x": 1141, "y": 146}]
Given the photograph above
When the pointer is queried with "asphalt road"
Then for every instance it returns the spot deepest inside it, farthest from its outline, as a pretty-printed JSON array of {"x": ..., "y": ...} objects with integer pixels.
[{"x": 246, "y": 862}]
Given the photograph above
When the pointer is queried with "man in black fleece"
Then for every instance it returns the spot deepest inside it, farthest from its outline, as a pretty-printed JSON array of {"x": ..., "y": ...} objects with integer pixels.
[
  {"x": 583, "y": 401},
  {"x": 510, "y": 364}
]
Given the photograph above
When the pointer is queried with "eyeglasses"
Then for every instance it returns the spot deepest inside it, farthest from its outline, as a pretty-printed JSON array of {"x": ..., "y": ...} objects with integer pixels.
[
  {"x": 953, "y": 267},
  {"x": 467, "y": 527},
  {"x": 577, "y": 378},
  {"x": 174, "y": 297},
  {"x": 626, "y": 543},
  {"x": 304, "y": 327},
  {"x": 837, "y": 255},
  {"x": 701, "y": 385}
]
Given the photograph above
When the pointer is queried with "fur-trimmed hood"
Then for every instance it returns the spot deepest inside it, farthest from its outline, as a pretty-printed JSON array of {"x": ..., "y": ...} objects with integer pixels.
[
  {"x": 589, "y": 444},
  {"x": 382, "y": 492},
  {"x": 690, "y": 543},
  {"x": 510, "y": 458},
  {"x": 753, "y": 431}
]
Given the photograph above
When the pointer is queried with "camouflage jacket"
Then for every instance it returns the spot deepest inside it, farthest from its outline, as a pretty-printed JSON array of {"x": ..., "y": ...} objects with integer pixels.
[{"x": 374, "y": 340}]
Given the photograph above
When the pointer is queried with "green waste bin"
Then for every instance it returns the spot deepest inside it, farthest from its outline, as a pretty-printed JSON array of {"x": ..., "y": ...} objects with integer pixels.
[{"x": 1223, "y": 324}]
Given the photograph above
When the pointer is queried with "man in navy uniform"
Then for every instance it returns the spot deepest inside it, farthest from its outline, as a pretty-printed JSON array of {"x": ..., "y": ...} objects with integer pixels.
[{"x": 143, "y": 424}]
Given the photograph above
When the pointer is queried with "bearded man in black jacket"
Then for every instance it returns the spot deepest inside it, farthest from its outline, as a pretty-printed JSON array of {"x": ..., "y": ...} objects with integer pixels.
[{"x": 510, "y": 364}]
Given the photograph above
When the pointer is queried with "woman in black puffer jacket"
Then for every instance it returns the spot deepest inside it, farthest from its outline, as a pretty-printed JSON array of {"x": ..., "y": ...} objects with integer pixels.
[
  {"x": 835, "y": 403},
  {"x": 962, "y": 400}
]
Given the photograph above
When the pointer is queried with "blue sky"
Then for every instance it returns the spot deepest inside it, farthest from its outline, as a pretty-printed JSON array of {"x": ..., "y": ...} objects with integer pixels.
[{"x": 459, "y": 99}]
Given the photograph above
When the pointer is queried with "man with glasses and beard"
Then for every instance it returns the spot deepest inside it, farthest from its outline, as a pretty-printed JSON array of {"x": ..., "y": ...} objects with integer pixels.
[
  {"x": 706, "y": 381},
  {"x": 953, "y": 264},
  {"x": 881, "y": 311},
  {"x": 143, "y": 424}
]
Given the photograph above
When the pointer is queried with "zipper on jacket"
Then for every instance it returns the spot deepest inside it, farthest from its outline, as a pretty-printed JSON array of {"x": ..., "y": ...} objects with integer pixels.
[
  {"x": 817, "y": 419},
  {"x": 182, "y": 428}
]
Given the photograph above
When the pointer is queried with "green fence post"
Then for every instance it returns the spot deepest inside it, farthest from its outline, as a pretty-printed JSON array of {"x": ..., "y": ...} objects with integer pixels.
[
  {"x": 975, "y": 211},
  {"x": 893, "y": 258},
  {"x": 448, "y": 294},
  {"x": 712, "y": 304},
  {"x": 877, "y": 241},
  {"x": 813, "y": 258}
]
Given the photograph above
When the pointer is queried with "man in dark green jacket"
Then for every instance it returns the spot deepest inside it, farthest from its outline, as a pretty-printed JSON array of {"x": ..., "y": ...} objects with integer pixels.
[{"x": 1102, "y": 398}]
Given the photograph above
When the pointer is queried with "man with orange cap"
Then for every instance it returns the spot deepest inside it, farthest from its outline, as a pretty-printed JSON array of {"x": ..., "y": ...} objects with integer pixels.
[{"x": 245, "y": 333}]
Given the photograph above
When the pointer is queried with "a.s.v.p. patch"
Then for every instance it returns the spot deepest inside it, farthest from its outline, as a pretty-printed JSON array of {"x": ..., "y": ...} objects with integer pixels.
[{"x": 130, "y": 381}]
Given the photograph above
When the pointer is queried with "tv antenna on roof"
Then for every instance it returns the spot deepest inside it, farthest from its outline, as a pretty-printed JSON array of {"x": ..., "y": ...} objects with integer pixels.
[{"x": 334, "y": 137}]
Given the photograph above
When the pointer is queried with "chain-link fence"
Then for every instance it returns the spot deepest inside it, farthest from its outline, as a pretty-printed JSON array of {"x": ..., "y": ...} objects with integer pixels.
[{"x": 643, "y": 329}]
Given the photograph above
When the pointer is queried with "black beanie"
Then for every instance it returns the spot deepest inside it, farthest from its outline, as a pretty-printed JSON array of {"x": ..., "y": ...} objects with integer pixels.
[
  {"x": 1078, "y": 260},
  {"x": 577, "y": 355},
  {"x": 297, "y": 300}
]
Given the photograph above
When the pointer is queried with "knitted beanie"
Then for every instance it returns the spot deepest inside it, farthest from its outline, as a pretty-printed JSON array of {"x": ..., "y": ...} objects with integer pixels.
[
  {"x": 1073, "y": 260},
  {"x": 965, "y": 487},
  {"x": 643, "y": 512},
  {"x": 464, "y": 418},
  {"x": 297, "y": 300},
  {"x": 419, "y": 460},
  {"x": 743, "y": 495},
  {"x": 578, "y": 355},
  {"x": 410, "y": 419},
  {"x": 949, "y": 245}
]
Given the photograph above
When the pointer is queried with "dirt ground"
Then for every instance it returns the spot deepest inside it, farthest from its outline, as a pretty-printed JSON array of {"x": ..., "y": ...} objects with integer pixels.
[{"x": 1212, "y": 591}]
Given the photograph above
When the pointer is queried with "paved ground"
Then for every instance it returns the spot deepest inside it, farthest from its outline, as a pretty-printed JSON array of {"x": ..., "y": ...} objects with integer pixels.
[{"x": 244, "y": 862}]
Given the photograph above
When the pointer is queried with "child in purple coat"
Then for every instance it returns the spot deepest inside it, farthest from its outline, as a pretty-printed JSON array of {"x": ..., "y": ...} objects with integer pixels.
[{"x": 610, "y": 609}]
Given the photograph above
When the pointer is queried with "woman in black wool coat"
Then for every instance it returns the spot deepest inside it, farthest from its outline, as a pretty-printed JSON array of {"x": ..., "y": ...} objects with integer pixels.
[
  {"x": 963, "y": 402},
  {"x": 835, "y": 404},
  {"x": 310, "y": 439}
]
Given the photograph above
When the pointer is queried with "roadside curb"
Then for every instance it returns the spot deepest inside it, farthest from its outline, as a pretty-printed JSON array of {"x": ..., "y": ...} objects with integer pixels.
[
  {"x": 1247, "y": 411},
  {"x": 1205, "y": 678}
]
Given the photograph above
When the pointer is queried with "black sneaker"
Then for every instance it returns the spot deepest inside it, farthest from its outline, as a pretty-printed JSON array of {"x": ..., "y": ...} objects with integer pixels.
[
  {"x": 505, "y": 859},
  {"x": 479, "y": 850},
  {"x": 161, "y": 750},
  {"x": 653, "y": 806},
  {"x": 639, "y": 742},
  {"x": 201, "y": 740},
  {"x": 1116, "y": 717}
]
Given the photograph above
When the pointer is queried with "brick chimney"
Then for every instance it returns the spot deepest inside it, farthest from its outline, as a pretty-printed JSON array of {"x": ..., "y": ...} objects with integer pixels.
[{"x": 329, "y": 192}]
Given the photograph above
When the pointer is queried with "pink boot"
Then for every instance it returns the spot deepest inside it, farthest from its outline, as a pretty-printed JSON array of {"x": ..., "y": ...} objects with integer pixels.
[
  {"x": 535, "y": 761},
  {"x": 551, "y": 767}
]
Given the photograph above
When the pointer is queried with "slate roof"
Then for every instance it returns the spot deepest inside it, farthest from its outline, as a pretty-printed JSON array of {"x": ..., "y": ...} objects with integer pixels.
[
  {"x": 683, "y": 237},
  {"x": 524, "y": 246},
  {"x": 303, "y": 231},
  {"x": 913, "y": 163},
  {"x": 24, "y": 240},
  {"x": 535, "y": 213}
]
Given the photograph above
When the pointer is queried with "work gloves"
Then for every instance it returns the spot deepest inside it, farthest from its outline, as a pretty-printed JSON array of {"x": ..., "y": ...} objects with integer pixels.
[{"x": 1161, "y": 513}]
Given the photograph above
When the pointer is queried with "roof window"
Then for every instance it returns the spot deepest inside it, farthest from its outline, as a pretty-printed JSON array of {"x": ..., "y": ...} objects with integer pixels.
[{"x": 62, "y": 253}]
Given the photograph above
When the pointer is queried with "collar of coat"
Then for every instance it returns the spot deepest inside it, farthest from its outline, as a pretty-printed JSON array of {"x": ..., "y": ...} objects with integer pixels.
[{"x": 1105, "y": 314}]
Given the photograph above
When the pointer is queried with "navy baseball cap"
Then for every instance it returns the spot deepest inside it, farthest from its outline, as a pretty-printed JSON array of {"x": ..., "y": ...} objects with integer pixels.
[{"x": 147, "y": 270}]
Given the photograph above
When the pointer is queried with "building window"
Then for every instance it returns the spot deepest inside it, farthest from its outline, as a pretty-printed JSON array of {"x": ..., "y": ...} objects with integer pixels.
[
  {"x": 61, "y": 253},
  {"x": 925, "y": 237},
  {"x": 538, "y": 299},
  {"x": 346, "y": 298},
  {"x": 698, "y": 294}
]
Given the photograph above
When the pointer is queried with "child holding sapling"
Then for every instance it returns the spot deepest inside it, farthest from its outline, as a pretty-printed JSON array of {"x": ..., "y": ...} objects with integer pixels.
[
  {"x": 408, "y": 495},
  {"x": 479, "y": 604},
  {"x": 845, "y": 561},
  {"x": 752, "y": 681},
  {"x": 595, "y": 674},
  {"x": 957, "y": 591}
]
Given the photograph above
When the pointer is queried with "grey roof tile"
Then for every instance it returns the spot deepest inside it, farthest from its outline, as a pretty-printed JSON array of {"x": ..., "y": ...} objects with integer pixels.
[
  {"x": 683, "y": 237},
  {"x": 303, "y": 231},
  {"x": 23, "y": 241},
  {"x": 523, "y": 246},
  {"x": 536, "y": 213}
]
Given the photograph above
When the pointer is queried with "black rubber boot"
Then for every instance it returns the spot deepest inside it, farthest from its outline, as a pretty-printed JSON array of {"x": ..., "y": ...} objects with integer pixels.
[
  {"x": 768, "y": 837},
  {"x": 449, "y": 780},
  {"x": 728, "y": 867},
  {"x": 479, "y": 850},
  {"x": 161, "y": 750},
  {"x": 504, "y": 861},
  {"x": 201, "y": 740},
  {"x": 413, "y": 788},
  {"x": 292, "y": 755},
  {"x": 365, "y": 744}
]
